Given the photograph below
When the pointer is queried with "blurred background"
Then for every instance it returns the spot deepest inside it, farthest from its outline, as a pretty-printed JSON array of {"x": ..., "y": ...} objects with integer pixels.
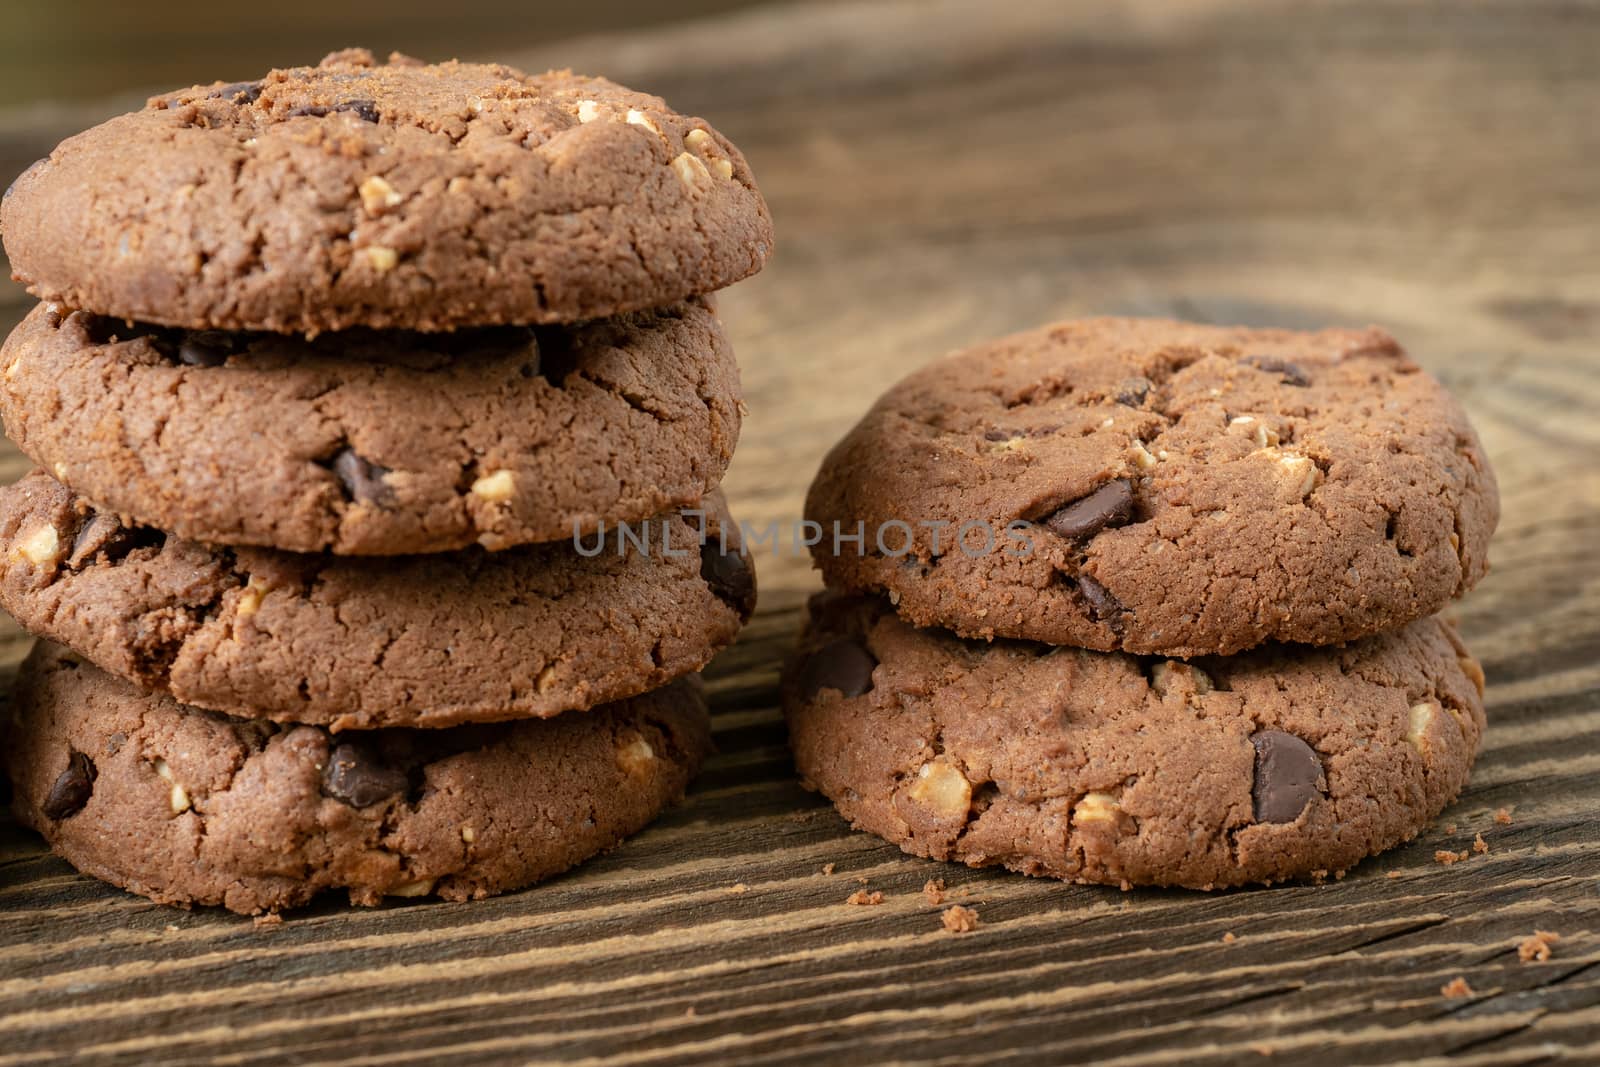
[{"x": 941, "y": 172}]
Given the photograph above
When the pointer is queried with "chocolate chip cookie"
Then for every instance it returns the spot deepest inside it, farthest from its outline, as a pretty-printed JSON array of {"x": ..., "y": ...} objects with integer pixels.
[
  {"x": 1279, "y": 763},
  {"x": 369, "y": 442},
  {"x": 1160, "y": 487},
  {"x": 398, "y": 194},
  {"x": 190, "y": 807},
  {"x": 359, "y": 643}
]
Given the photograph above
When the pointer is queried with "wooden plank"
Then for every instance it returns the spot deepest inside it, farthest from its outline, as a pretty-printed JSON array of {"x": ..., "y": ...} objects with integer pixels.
[{"x": 943, "y": 172}]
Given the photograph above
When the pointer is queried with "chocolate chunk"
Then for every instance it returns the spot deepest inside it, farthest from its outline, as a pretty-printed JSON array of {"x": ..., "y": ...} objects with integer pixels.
[
  {"x": 356, "y": 775},
  {"x": 843, "y": 664},
  {"x": 729, "y": 574},
  {"x": 362, "y": 479},
  {"x": 365, "y": 110},
  {"x": 206, "y": 348},
  {"x": 1109, "y": 505},
  {"x": 1291, "y": 373},
  {"x": 1288, "y": 775},
  {"x": 104, "y": 539},
  {"x": 1103, "y": 607},
  {"x": 1132, "y": 391},
  {"x": 237, "y": 92},
  {"x": 71, "y": 789}
]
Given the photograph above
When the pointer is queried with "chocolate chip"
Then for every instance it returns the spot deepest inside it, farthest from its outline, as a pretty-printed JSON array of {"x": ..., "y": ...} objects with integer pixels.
[
  {"x": 1132, "y": 391},
  {"x": 237, "y": 92},
  {"x": 103, "y": 539},
  {"x": 1288, "y": 775},
  {"x": 206, "y": 348},
  {"x": 357, "y": 776},
  {"x": 1109, "y": 505},
  {"x": 71, "y": 789},
  {"x": 1103, "y": 607},
  {"x": 362, "y": 479},
  {"x": 729, "y": 574},
  {"x": 365, "y": 110},
  {"x": 1291, "y": 373},
  {"x": 843, "y": 664}
]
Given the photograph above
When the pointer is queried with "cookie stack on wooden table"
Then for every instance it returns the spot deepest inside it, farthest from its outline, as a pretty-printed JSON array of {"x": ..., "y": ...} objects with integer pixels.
[
  {"x": 339, "y": 379},
  {"x": 1180, "y": 586}
]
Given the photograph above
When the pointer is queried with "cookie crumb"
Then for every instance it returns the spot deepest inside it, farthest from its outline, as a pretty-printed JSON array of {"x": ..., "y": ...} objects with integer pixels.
[
  {"x": 1228, "y": 938},
  {"x": 959, "y": 920},
  {"x": 1126, "y": 886},
  {"x": 171, "y": 929},
  {"x": 1450, "y": 829},
  {"x": 933, "y": 892},
  {"x": 828, "y": 868},
  {"x": 267, "y": 920},
  {"x": 738, "y": 887},
  {"x": 1456, "y": 987},
  {"x": 863, "y": 879},
  {"x": 861, "y": 896},
  {"x": 1261, "y": 1048},
  {"x": 1503, "y": 817},
  {"x": 1446, "y": 857},
  {"x": 1540, "y": 947},
  {"x": 1392, "y": 874},
  {"x": 689, "y": 1012},
  {"x": 1479, "y": 845}
]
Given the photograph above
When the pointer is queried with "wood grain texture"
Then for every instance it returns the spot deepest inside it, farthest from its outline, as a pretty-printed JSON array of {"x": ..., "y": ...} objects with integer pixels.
[{"x": 941, "y": 173}]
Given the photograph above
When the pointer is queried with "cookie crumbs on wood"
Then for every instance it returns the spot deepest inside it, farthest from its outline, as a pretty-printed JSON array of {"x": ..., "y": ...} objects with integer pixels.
[
  {"x": 861, "y": 896},
  {"x": 933, "y": 892},
  {"x": 1503, "y": 817},
  {"x": 1446, "y": 857},
  {"x": 738, "y": 887},
  {"x": 1393, "y": 874},
  {"x": 959, "y": 920},
  {"x": 1479, "y": 845},
  {"x": 1450, "y": 829},
  {"x": 828, "y": 868},
  {"x": 1455, "y": 988},
  {"x": 1228, "y": 938},
  {"x": 1538, "y": 948},
  {"x": 268, "y": 920}
]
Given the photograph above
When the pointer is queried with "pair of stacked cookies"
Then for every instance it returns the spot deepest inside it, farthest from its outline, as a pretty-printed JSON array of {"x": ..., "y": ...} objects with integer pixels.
[
  {"x": 1148, "y": 603},
  {"x": 340, "y": 379}
]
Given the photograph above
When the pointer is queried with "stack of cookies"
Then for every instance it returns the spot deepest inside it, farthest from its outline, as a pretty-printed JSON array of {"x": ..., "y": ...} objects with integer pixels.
[
  {"x": 343, "y": 383},
  {"x": 1148, "y": 603}
]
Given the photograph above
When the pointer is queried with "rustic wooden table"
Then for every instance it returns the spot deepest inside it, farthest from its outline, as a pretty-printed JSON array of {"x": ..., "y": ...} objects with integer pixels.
[{"x": 941, "y": 173}]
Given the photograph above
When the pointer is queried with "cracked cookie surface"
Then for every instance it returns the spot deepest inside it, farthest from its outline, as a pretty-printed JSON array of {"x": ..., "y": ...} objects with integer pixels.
[
  {"x": 361, "y": 643},
  {"x": 371, "y": 443},
  {"x": 190, "y": 807},
  {"x": 1162, "y": 487},
  {"x": 403, "y": 195},
  {"x": 1279, "y": 763}
]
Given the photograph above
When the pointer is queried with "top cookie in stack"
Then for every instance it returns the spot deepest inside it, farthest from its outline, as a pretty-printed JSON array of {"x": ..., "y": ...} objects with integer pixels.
[
  {"x": 1180, "y": 489},
  {"x": 370, "y": 310},
  {"x": 393, "y": 196},
  {"x": 1079, "y": 578}
]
